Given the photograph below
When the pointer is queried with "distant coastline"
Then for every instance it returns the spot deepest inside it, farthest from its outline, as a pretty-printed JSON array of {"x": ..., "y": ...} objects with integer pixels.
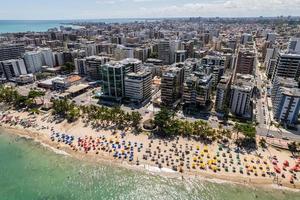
[{"x": 18, "y": 26}]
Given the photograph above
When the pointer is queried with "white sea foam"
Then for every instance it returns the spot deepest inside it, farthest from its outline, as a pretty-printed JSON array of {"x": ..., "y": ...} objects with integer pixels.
[
  {"x": 156, "y": 169},
  {"x": 57, "y": 151}
]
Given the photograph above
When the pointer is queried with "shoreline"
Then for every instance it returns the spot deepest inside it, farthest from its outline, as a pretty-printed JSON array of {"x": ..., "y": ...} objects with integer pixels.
[{"x": 65, "y": 150}]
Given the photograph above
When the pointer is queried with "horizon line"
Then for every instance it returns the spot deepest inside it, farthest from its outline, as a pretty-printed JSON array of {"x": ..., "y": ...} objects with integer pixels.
[{"x": 182, "y": 17}]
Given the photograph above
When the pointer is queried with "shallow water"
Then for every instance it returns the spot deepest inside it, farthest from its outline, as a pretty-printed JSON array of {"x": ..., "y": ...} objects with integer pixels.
[{"x": 31, "y": 171}]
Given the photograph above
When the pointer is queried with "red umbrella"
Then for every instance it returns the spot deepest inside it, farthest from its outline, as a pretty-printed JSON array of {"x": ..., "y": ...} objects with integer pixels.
[
  {"x": 277, "y": 169},
  {"x": 286, "y": 163}
]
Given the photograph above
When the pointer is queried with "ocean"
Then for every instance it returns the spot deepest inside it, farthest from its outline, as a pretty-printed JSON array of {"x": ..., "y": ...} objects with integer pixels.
[
  {"x": 31, "y": 171},
  {"x": 15, "y": 26}
]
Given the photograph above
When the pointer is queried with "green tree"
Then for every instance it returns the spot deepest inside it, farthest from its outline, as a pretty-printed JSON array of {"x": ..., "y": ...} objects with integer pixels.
[
  {"x": 69, "y": 67},
  {"x": 162, "y": 120},
  {"x": 293, "y": 147}
]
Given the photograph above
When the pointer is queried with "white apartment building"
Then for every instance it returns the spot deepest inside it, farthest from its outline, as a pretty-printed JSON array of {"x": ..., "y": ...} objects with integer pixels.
[
  {"x": 47, "y": 56},
  {"x": 241, "y": 95},
  {"x": 13, "y": 68},
  {"x": 138, "y": 86},
  {"x": 33, "y": 61}
]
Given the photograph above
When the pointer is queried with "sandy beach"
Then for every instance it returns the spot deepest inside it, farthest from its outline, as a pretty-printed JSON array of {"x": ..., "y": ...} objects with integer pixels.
[{"x": 179, "y": 158}]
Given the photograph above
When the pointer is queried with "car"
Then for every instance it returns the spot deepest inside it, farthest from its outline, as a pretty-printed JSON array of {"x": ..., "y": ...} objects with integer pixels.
[
  {"x": 285, "y": 138},
  {"x": 270, "y": 135}
]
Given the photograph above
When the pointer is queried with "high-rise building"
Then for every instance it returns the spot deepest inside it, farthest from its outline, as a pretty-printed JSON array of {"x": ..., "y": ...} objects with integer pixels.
[
  {"x": 287, "y": 65},
  {"x": 164, "y": 51},
  {"x": 245, "y": 61},
  {"x": 138, "y": 86},
  {"x": 132, "y": 65},
  {"x": 80, "y": 66},
  {"x": 47, "y": 56},
  {"x": 92, "y": 67},
  {"x": 58, "y": 58},
  {"x": 294, "y": 45},
  {"x": 214, "y": 60},
  {"x": 141, "y": 53},
  {"x": 122, "y": 52},
  {"x": 33, "y": 61},
  {"x": 11, "y": 51},
  {"x": 13, "y": 68},
  {"x": 197, "y": 89},
  {"x": 180, "y": 56},
  {"x": 285, "y": 100},
  {"x": 223, "y": 94},
  {"x": 241, "y": 95},
  {"x": 270, "y": 61},
  {"x": 271, "y": 37},
  {"x": 113, "y": 76},
  {"x": 245, "y": 38},
  {"x": 171, "y": 86}
]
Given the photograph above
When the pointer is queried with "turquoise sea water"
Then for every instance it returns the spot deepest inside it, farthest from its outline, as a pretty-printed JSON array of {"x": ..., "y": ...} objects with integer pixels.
[
  {"x": 30, "y": 171},
  {"x": 14, "y": 26}
]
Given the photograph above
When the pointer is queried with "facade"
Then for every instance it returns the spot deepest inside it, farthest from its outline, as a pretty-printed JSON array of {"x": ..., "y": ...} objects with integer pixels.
[
  {"x": 271, "y": 37},
  {"x": 113, "y": 76},
  {"x": 222, "y": 94},
  {"x": 241, "y": 95},
  {"x": 214, "y": 60},
  {"x": 122, "y": 52},
  {"x": 164, "y": 51},
  {"x": 138, "y": 86},
  {"x": 11, "y": 51},
  {"x": 285, "y": 100},
  {"x": 245, "y": 61},
  {"x": 48, "y": 58},
  {"x": 33, "y": 61},
  {"x": 287, "y": 65},
  {"x": 13, "y": 68},
  {"x": 171, "y": 85},
  {"x": 270, "y": 61},
  {"x": 92, "y": 65},
  {"x": 180, "y": 56},
  {"x": 245, "y": 38},
  {"x": 58, "y": 58},
  {"x": 294, "y": 45},
  {"x": 132, "y": 65},
  {"x": 80, "y": 66},
  {"x": 197, "y": 89}
]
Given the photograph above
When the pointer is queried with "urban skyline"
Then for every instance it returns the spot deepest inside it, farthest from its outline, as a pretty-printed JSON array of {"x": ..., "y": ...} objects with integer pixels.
[{"x": 192, "y": 97}]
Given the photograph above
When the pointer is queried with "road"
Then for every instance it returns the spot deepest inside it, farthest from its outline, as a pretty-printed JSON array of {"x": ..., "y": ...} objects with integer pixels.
[{"x": 262, "y": 113}]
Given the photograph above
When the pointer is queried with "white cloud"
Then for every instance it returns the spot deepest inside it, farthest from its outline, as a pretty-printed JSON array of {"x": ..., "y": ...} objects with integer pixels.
[
  {"x": 227, "y": 8},
  {"x": 105, "y": 2}
]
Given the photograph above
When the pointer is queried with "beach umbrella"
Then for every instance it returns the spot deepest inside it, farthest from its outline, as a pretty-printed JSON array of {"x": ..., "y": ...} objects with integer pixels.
[
  {"x": 286, "y": 163},
  {"x": 291, "y": 179},
  {"x": 277, "y": 169}
]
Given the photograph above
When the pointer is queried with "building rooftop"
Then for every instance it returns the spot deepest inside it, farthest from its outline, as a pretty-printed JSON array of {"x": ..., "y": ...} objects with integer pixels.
[{"x": 294, "y": 92}]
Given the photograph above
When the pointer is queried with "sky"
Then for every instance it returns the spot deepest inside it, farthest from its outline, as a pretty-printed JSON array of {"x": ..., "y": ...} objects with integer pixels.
[{"x": 105, "y": 9}]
